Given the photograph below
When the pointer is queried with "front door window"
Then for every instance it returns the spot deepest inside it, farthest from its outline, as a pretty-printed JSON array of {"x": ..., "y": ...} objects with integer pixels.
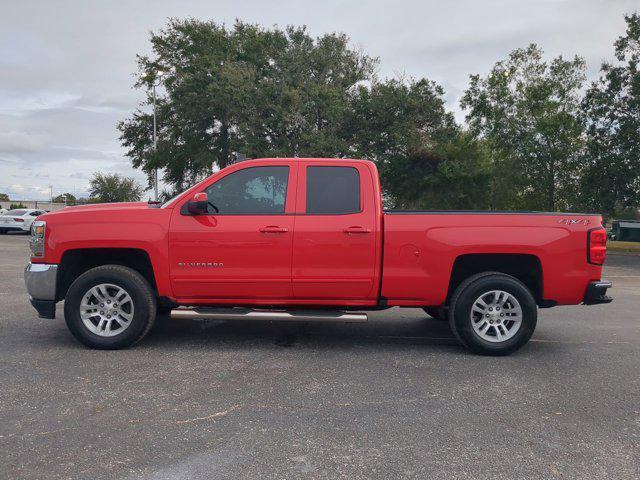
[{"x": 252, "y": 191}]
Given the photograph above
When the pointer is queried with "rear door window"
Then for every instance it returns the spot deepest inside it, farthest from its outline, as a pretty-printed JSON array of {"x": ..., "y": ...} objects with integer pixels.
[{"x": 333, "y": 190}]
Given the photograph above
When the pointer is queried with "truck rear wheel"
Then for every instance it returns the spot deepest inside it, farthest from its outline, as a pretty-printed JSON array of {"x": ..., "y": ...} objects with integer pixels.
[
  {"x": 493, "y": 314},
  {"x": 110, "y": 307}
]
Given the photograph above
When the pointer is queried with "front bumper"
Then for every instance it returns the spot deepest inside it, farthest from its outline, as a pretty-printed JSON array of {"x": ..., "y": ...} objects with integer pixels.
[
  {"x": 596, "y": 293},
  {"x": 40, "y": 279}
]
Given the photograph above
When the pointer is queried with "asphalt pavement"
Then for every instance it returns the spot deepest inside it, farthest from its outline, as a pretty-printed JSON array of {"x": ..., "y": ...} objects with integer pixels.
[{"x": 395, "y": 398}]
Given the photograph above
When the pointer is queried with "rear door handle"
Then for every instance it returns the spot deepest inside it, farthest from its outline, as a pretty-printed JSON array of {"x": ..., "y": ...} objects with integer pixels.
[
  {"x": 274, "y": 229},
  {"x": 356, "y": 229}
]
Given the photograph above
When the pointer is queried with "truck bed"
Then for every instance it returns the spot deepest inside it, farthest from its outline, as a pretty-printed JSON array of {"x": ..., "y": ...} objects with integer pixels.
[
  {"x": 484, "y": 212},
  {"x": 422, "y": 248}
]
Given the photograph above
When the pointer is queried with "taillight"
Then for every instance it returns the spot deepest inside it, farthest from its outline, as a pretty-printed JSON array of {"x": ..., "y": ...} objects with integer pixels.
[
  {"x": 21, "y": 220},
  {"x": 597, "y": 246}
]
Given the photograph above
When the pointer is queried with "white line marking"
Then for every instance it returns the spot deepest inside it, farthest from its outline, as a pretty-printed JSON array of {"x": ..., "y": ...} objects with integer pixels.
[{"x": 209, "y": 417}]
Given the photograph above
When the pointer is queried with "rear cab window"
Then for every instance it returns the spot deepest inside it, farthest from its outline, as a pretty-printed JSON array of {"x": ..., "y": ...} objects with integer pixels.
[{"x": 332, "y": 190}]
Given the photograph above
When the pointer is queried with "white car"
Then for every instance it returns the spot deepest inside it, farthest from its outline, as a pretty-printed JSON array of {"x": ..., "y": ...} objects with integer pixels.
[{"x": 18, "y": 220}]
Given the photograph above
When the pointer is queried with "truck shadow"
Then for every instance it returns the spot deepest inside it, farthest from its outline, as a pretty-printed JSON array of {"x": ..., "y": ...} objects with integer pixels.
[{"x": 244, "y": 334}]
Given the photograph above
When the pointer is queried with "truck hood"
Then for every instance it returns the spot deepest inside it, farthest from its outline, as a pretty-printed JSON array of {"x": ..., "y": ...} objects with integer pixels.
[
  {"x": 115, "y": 225},
  {"x": 97, "y": 211},
  {"x": 118, "y": 205},
  {"x": 102, "y": 207}
]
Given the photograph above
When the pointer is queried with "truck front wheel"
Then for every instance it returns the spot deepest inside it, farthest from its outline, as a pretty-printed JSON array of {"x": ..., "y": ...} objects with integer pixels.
[
  {"x": 493, "y": 314},
  {"x": 110, "y": 307}
]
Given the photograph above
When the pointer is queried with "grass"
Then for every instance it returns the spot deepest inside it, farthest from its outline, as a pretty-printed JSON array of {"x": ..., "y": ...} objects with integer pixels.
[{"x": 629, "y": 247}]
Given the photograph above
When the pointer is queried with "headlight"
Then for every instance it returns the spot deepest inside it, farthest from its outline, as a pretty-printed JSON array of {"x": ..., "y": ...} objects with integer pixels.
[{"x": 36, "y": 242}]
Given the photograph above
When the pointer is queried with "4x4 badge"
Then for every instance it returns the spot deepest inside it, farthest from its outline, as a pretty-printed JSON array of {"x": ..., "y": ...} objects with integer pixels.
[{"x": 574, "y": 221}]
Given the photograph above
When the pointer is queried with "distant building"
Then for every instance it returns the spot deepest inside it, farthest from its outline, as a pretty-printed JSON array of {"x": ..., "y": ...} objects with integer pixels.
[{"x": 626, "y": 230}]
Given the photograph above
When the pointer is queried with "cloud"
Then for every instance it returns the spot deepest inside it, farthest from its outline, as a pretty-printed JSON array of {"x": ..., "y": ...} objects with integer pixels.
[
  {"x": 79, "y": 176},
  {"x": 24, "y": 104},
  {"x": 16, "y": 142}
]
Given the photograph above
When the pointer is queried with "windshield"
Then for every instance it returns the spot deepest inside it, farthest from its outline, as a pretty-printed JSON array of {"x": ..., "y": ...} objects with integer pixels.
[
  {"x": 17, "y": 213},
  {"x": 171, "y": 200}
]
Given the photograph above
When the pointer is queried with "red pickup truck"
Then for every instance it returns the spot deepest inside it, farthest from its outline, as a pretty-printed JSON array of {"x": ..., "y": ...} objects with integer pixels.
[{"x": 308, "y": 240}]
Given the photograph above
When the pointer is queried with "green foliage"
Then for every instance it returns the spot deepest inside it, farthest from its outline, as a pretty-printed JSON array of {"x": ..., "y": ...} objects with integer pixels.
[
  {"x": 426, "y": 161},
  {"x": 111, "y": 187},
  {"x": 244, "y": 90},
  {"x": 4, "y": 197},
  {"x": 65, "y": 198},
  {"x": 611, "y": 182},
  {"x": 628, "y": 213},
  {"x": 528, "y": 112},
  {"x": 263, "y": 93},
  {"x": 14, "y": 206}
]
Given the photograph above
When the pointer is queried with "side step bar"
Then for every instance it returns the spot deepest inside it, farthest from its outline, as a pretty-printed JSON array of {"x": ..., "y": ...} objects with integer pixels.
[{"x": 274, "y": 315}]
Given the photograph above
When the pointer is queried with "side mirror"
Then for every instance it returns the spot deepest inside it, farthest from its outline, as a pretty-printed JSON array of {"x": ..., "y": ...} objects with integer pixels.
[{"x": 198, "y": 204}]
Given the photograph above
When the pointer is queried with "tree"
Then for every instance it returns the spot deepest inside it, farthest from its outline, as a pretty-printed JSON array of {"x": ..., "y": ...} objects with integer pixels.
[
  {"x": 425, "y": 159},
  {"x": 242, "y": 90},
  {"x": 65, "y": 198},
  {"x": 4, "y": 197},
  {"x": 528, "y": 111},
  {"x": 611, "y": 182},
  {"x": 111, "y": 187},
  {"x": 272, "y": 92}
]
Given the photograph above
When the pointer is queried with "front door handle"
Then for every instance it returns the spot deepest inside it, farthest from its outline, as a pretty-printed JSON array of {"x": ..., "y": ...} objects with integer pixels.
[
  {"x": 274, "y": 229},
  {"x": 356, "y": 229}
]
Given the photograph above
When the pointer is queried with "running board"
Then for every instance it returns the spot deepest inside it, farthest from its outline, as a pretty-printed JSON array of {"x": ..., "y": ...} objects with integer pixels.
[{"x": 274, "y": 315}]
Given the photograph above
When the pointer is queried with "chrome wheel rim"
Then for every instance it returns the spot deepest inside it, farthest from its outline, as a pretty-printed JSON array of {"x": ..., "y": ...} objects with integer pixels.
[
  {"x": 496, "y": 316},
  {"x": 106, "y": 310}
]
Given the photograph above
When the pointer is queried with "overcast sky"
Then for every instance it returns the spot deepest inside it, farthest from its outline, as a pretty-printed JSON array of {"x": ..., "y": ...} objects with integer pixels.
[{"x": 66, "y": 67}]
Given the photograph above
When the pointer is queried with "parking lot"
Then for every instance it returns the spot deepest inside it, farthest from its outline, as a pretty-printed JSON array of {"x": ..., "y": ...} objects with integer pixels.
[{"x": 395, "y": 398}]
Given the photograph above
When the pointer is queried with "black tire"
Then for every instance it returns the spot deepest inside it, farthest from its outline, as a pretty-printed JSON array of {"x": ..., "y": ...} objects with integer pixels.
[
  {"x": 163, "y": 315},
  {"x": 470, "y": 290},
  {"x": 437, "y": 313},
  {"x": 142, "y": 296}
]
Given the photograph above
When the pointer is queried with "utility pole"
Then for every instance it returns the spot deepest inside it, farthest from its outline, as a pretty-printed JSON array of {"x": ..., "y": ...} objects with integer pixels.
[
  {"x": 155, "y": 142},
  {"x": 156, "y": 82}
]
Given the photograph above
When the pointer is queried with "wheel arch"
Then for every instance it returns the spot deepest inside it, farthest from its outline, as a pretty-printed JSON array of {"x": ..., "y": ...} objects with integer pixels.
[
  {"x": 75, "y": 262},
  {"x": 525, "y": 267}
]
